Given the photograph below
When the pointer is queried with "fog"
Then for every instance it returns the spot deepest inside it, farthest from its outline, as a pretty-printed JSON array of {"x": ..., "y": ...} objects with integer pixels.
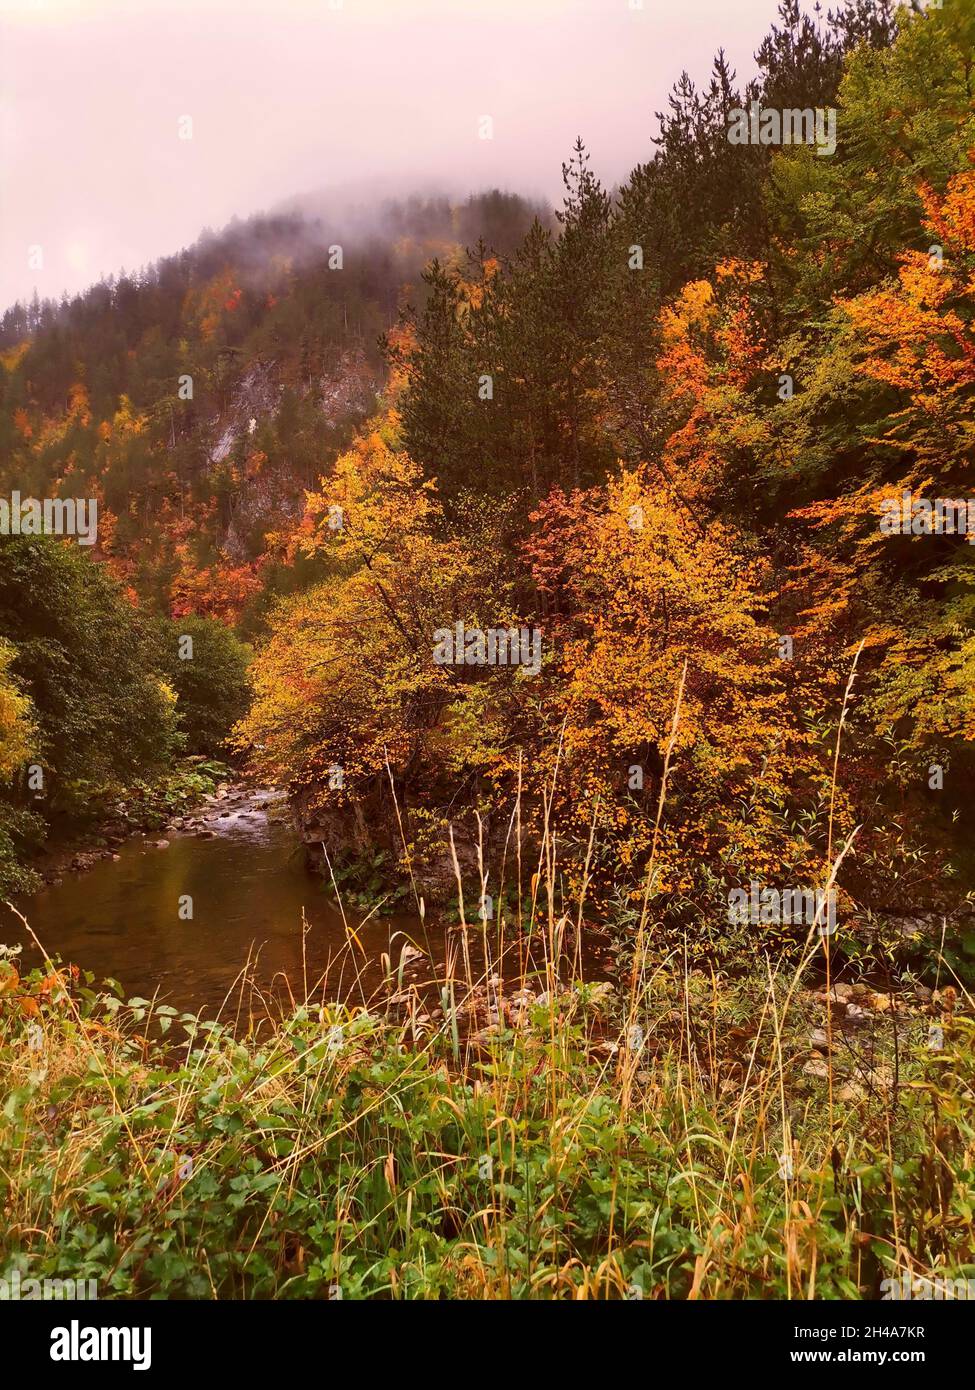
[{"x": 290, "y": 97}]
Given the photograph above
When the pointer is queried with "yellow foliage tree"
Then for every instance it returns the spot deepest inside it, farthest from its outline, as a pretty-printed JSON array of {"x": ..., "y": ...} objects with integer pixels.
[{"x": 17, "y": 728}]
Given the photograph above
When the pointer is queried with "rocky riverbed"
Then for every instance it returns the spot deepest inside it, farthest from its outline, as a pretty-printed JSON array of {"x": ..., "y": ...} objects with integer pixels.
[{"x": 229, "y": 803}]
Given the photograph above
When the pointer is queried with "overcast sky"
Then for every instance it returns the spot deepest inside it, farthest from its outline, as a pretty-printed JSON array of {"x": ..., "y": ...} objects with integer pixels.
[{"x": 290, "y": 96}]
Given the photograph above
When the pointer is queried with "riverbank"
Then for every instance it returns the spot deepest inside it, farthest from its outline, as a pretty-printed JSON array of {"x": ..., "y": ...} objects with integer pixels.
[{"x": 571, "y": 1149}]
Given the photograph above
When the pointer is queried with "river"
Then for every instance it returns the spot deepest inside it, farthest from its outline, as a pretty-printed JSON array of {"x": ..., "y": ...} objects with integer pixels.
[{"x": 127, "y": 917}]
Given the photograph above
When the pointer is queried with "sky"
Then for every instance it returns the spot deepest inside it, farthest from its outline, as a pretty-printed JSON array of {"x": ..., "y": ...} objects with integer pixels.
[{"x": 287, "y": 97}]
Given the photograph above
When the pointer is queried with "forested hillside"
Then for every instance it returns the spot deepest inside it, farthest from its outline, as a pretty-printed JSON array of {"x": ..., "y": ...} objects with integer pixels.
[
  {"x": 194, "y": 402},
  {"x": 196, "y": 399}
]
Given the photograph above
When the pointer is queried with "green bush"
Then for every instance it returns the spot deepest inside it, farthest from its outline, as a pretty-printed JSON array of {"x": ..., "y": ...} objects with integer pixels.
[
  {"x": 20, "y": 831},
  {"x": 84, "y": 657},
  {"x": 211, "y": 684}
]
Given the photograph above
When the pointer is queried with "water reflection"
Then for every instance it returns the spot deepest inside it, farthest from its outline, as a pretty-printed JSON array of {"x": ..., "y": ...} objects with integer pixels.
[{"x": 249, "y": 889}]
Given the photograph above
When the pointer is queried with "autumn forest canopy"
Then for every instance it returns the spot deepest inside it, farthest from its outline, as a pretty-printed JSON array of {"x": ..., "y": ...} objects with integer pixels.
[{"x": 655, "y": 432}]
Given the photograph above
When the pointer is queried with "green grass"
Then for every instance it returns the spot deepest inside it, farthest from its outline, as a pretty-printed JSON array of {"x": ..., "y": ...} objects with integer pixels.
[{"x": 391, "y": 1151}]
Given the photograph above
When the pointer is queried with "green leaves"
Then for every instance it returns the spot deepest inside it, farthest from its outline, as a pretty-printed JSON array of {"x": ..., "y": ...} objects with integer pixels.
[{"x": 392, "y": 1174}]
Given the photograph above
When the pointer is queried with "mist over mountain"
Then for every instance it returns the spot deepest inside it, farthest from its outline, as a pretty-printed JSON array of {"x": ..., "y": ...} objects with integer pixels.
[
  {"x": 101, "y": 170},
  {"x": 362, "y": 218}
]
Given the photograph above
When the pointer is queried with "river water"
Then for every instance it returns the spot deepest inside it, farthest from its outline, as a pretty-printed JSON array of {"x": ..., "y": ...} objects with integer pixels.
[{"x": 127, "y": 918}]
